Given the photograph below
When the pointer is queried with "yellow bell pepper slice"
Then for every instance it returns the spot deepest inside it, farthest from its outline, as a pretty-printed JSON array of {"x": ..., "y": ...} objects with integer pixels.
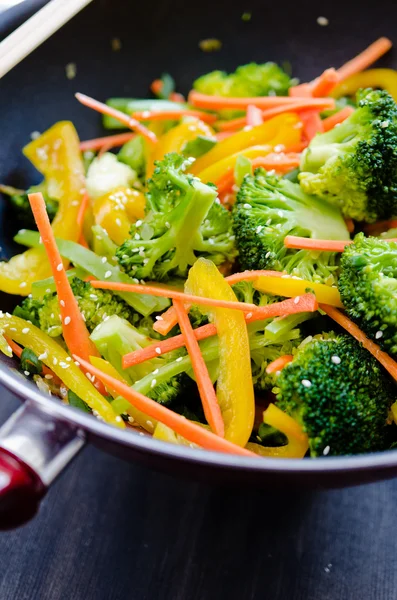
[
  {"x": 56, "y": 154},
  {"x": 287, "y": 125},
  {"x": 116, "y": 211},
  {"x": 385, "y": 79},
  {"x": 58, "y": 360},
  {"x": 121, "y": 405},
  {"x": 298, "y": 442},
  {"x": 291, "y": 287},
  {"x": 176, "y": 138},
  {"x": 234, "y": 387},
  {"x": 214, "y": 172}
]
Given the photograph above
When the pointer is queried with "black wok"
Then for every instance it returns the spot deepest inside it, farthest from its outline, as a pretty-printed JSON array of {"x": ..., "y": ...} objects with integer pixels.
[{"x": 161, "y": 36}]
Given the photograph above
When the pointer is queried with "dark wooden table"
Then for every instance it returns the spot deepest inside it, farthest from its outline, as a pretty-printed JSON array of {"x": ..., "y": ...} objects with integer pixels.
[{"x": 109, "y": 530}]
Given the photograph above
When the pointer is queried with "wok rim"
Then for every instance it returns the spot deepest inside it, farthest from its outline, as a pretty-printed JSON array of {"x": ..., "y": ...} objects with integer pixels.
[{"x": 25, "y": 389}]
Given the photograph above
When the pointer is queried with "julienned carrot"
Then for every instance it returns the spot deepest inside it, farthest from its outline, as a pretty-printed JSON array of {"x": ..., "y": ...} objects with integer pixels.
[
  {"x": 312, "y": 124},
  {"x": 330, "y": 122},
  {"x": 303, "y": 90},
  {"x": 221, "y": 102},
  {"x": 17, "y": 350},
  {"x": 380, "y": 226},
  {"x": 168, "y": 319},
  {"x": 279, "y": 363},
  {"x": 175, "y": 295},
  {"x": 73, "y": 326},
  {"x": 177, "y": 97},
  {"x": 117, "y": 114},
  {"x": 305, "y": 303},
  {"x": 350, "y": 225},
  {"x": 301, "y": 243},
  {"x": 254, "y": 116},
  {"x": 385, "y": 360},
  {"x": 365, "y": 59},
  {"x": 295, "y": 105},
  {"x": 157, "y": 85},
  {"x": 192, "y": 432},
  {"x": 173, "y": 115},
  {"x": 109, "y": 141},
  {"x": 207, "y": 393},
  {"x": 323, "y": 85},
  {"x": 278, "y": 161}
]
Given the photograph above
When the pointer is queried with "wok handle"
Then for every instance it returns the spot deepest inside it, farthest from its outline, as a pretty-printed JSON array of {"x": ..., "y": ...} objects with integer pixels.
[
  {"x": 20, "y": 491},
  {"x": 35, "y": 447}
]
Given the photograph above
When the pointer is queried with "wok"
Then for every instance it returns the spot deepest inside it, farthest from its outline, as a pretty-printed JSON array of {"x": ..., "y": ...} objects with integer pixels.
[{"x": 44, "y": 435}]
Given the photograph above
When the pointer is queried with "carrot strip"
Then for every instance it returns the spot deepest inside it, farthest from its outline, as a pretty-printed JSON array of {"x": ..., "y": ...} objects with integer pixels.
[
  {"x": 278, "y": 161},
  {"x": 279, "y": 363},
  {"x": 365, "y": 58},
  {"x": 330, "y": 122},
  {"x": 109, "y": 141},
  {"x": 225, "y": 183},
  {"x": 192, "y": 432},
  {"x": 296, "y": 105},
  {"x": 380, "y": 226},
  {"x": 221, "y": 102},
  {"x": 117, "y": 114},
  {"x": 175, "y": 295},
  {"x": 312, "y": 124},
  {"x": 304, "y": 90},
  {"x": 73, "y": 327},
  {"x": 208, "y": 397},
  {"x": 17, "y": 350},
  {"x": 385, "y": 360},
  {"x": 305, "y": 303},
  {"x": 173, "y": 115},
  {"x": 156, "y": 86},
  {"x": 168, "y": 319},
  {"x": 301, "y": 243},
  {"x": 323, "y": 85},
  {"x": 177, "y": 97},
  {"x": 254, "y": 116}
]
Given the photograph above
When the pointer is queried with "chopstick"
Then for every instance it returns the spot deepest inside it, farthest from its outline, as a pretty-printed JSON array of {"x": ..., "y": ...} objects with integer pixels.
[{"x": 36, "y": 30}]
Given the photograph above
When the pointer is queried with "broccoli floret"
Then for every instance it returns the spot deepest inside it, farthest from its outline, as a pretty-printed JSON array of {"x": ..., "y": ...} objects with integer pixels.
[
  {"x": 183, "y": 222},
  {"x": 116, "y": 337},
  {"x": 354, "y": 166},
  {"x": 340, "y": 395},
  {"x": 368, "y": 288},
  {"x": 248, "y": 80},
  {"x": 95, "y": 306},
  {"x": 268, "y": 208}
]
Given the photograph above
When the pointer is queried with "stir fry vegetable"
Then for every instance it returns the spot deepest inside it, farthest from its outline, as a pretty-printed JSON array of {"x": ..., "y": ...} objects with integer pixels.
[{"x": 222, "y": 275}]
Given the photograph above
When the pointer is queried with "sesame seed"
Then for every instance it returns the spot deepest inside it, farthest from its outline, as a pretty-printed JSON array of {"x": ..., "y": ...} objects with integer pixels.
[
  {"x": 149, "y": 423},
  {"x": 62, "y": 303},
  {"x": 138, "y": 223},
  {"x": 167, "y": 225},
  {"x": 23, "y": 284},
  {"x": 25, "y": 330},
  {"x": 158, "y": 318},
  {"x": 247, "y": 206},
  {"x": 306, "y": 383},
  {"x": 48, "y": 291},
  {"x": 43, "y": 356},
  {"x": 76, "y": 362},
  {"x": 93, "y": 297},
  {"x": 48, "y": 376},
  {"x": 26, "y": 373},
  {"x": 131, "y": 419},
  {"x": 68, "y": 359},
  {"x": 154, "y": 381},
  {"x": 9, "y": 349},
  {"x": 118, "y": 419},
  {"x": 267, "y": 254},
  {"x": 75, "y": 203},
  {"x": 71, "y": 70},
  {"x": 179, "y": 359},
  {"x": 378, "y": 335},
  {"x": 67, "y": 320},
  {"x": 336, "y": 360},
  {"x": 60, "y": 267},
  {"x": 118, "y": 222},
  {"x": 268, "y": 222},
  {"x": 326, "y": 450},
  {"x": 296, "y": 300},
  {"x": 103, "y": 259},
  {"x": 158, "y": 350},
  {"x": 54, "y": 361},
  {"x": 137, "y": 236},
  {"x": 155, "y": 372},
  {"x": 108, "y": 274},
  {"x": 279, "y": 148},
  {"x": 259, "y": 229},
  {"x": 248, "y": 315},
  {"x": 323, "y": 21}
]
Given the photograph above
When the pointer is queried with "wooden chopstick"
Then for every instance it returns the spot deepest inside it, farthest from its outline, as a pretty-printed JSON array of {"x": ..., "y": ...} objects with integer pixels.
[{"x": 21, "y": 42}]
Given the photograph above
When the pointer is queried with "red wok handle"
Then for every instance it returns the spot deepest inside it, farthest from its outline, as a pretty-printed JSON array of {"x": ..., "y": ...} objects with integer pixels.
[
  {"x": 21, "y": 491},
  {"x": 35, "y": 446}
]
